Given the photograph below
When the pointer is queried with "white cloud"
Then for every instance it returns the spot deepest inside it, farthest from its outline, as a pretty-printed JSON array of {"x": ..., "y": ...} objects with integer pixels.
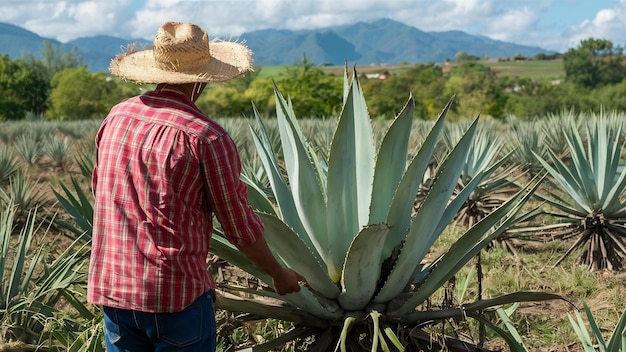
[
  {"x": 66, "y": 20},
  {"x": 607, "y": 24},
  {"x": 518, "y": 22},
  {"x": 511, "y": 26}
]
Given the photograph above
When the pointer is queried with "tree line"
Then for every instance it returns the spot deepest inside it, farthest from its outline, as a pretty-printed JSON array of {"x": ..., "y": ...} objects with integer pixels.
[{"x": 59, "y": 86}]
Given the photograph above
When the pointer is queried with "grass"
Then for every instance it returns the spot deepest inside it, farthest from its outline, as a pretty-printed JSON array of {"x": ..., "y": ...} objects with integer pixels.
[
  {"x": 538, "y": 70},
  {"x": 544, "y": 325}
]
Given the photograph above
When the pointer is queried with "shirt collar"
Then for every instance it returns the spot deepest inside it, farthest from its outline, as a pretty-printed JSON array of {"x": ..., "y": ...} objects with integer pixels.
[{"x": 174, "y": 94}]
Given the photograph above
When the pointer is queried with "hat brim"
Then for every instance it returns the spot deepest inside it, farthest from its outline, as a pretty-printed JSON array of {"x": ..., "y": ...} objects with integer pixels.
[{"x": 228, "y": 60}]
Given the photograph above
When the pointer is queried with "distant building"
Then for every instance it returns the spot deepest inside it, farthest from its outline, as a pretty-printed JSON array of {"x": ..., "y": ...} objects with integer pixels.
[{"x": 382, "y": 75}]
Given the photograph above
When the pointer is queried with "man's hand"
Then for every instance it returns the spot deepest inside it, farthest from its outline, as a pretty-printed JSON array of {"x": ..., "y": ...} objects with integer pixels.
[
  {"x": 285, "y": 280},
  {"x": 288, "y": 281}
]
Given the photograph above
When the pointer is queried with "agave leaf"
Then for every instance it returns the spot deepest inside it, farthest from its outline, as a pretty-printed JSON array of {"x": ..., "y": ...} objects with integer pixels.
[
  {"x": 514, "y": 344},
  {"x": 510, "y": 327},
  {"x": 350, "y": 176},
  {"x": 26, "y": 235},
  {"x": 399, "y": 216},
  {"x": 581, "y": 169},
  {"x": 611, "y": 181},
  {"x": 394, "y": 339},
  {"x": 63, "y": 271},
  {"x": 464, "y": 249},
  {"x": 567, "y": 181},
  {"x": 599, "y": 156},
  {"x": 7, "y": 216},
  {"x": 346, "y": 83},
  {"x": 301, "y": 332},
  {"x": 79, "y": 207},
  {"x": 579, "y": 328},
  {"x": 562, "y": 205},
  {"x": 595, "y": 328},
  {"x": 617, "y": 341},
  {"x": 447, "y": 216},
  {"x": 426, "y": 220},
  {"x": 347, "y": 324},
  {"x": 268, "y": 309},
  {"x": 304, "y": 299},
  {"x": 455, "y": 205},
  {"x": 308, "y": 192},
  {"x": 295, "y": 253},
  {"x": 282, "y": 194},
  {"x": 361, "y": 269},
  {"x": 612, "y": 204},
  {"x": 76, "y": 303},
  {"x": 389, "y": 169},
  {"x": 460, "y": 312},
  {"x": 257, "y": 198},
  {"x": 375, "y": 338}
]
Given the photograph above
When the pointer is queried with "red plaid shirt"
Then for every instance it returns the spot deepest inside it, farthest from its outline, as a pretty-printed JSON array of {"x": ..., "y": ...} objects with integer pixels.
[{"x": 162, "y": 169}]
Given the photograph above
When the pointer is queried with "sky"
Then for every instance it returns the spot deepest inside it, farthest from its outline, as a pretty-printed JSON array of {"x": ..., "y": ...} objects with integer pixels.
[{"x": 556, "y": 25}]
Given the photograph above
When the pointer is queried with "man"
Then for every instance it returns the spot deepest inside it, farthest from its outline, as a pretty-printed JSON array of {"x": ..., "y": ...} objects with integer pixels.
[{"x": 162, "y": 170}]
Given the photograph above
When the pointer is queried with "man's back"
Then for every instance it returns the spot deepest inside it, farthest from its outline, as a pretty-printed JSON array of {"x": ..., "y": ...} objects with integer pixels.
[{"x": 153, "y": 215}]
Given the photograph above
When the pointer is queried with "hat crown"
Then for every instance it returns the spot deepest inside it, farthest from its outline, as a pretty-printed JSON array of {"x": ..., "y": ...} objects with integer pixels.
[{"x": 181, "y": 47}]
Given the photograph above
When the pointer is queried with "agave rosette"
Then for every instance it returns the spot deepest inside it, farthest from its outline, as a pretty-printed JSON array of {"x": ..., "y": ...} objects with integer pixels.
[
  {"x": 346, "y": 225},
  {"x": 594, "y": 211}
]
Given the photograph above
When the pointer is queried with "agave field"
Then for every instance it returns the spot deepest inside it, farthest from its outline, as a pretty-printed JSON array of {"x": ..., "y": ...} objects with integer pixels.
[{"x": 470, "y": 235}]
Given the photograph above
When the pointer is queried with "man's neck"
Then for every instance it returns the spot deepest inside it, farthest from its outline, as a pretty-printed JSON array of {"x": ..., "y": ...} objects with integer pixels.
[{"x": 185, "y": 89}]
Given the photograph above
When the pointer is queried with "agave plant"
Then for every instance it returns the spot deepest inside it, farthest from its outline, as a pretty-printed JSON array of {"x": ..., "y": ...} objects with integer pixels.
[
  {"x": 23, "y": 192},
  {"x": 616, "y": 342},
  {"x": 8, "y": 165},
  {"x": 552, "y": 126},
  {"x": 57, "y": 149},
  {"x": 30, "y": 149},
  {"x": 29, "y": 295},
  {"x": 483, "y": 158},
  {"x": 525, "y": 142},
  {"x": 78, "y": 204},
  {"x": 345, "y": 224},
  {"x": 593, "y": 212}
]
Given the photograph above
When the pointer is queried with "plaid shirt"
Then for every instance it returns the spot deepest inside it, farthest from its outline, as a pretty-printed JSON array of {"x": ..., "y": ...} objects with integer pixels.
[{"x": 162, "y": 169}]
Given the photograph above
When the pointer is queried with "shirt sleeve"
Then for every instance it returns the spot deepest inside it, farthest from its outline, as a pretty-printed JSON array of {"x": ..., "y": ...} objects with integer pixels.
[{"x": 228, "y": 195}]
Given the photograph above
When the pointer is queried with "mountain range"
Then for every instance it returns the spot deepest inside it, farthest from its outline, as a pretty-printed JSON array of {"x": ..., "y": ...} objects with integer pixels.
[{"x": 382, "y": 41}]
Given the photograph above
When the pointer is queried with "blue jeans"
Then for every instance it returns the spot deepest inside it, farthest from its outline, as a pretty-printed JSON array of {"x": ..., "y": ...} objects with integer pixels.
[{"x": 192, "y": 329}]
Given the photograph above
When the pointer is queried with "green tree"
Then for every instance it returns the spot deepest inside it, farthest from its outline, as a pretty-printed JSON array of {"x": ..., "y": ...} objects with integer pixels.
[
  {"x": 224, "y": 101},
  {"x": 474, "y": 86},
  {"x": 425, "y": 82},
  {"x": 595, "y": 62},
  {"x": 463, "y": 56},
  {"x": 22, "y": 90},
  {"x": 35, "y": 89},
  {"x": 315, "y": 92},
  {"x": 53, "y": 60},
  {"x": 228, "y": 99},
  {"x": 611, "y": 97},
  {"x": 533, "y": 99},
  {"x": 77, "y": 94},
  {"x": 260, "y": 92}
]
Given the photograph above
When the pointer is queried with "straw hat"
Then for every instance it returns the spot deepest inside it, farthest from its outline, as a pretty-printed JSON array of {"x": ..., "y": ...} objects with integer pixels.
[{"x": 181, "y": 53}]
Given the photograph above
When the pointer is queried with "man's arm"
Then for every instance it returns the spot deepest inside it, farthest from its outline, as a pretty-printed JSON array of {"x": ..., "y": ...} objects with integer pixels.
[
  {"x": 242, "y": 227},
  {"x": 285, "y": 279}
]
